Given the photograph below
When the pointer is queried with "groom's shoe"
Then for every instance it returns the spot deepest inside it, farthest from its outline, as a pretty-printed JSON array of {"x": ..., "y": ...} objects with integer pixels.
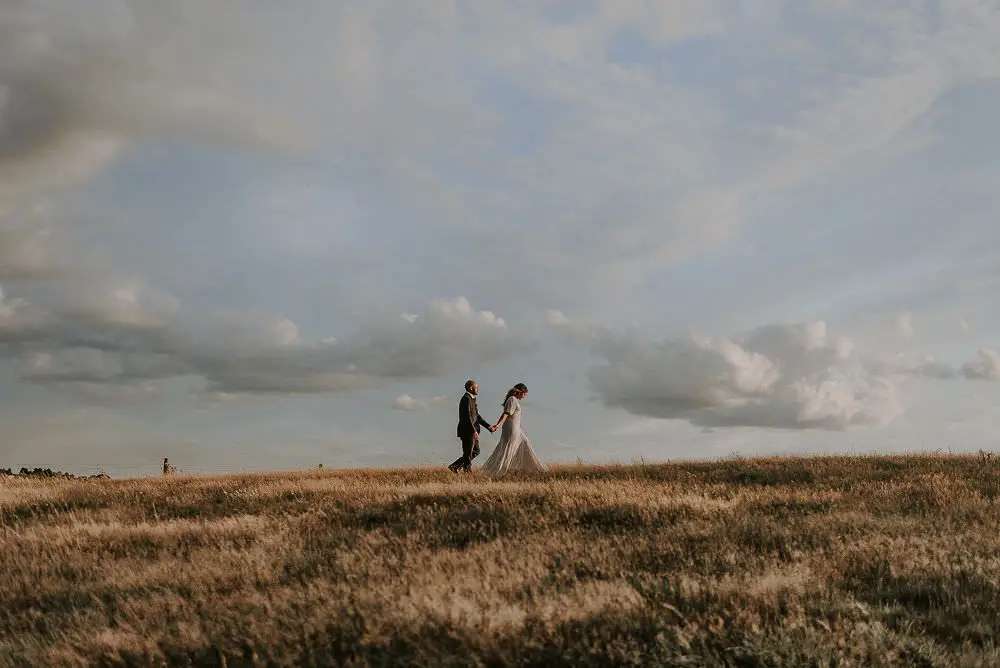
[{"x": 453, "y": 468}]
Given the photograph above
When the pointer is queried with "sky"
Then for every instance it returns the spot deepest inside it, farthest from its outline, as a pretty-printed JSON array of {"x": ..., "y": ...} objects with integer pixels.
[{"x": 256, "y": 236}]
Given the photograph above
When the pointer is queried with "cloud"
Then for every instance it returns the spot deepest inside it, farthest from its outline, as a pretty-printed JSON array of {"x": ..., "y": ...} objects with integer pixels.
[
  {"x": 629, "y": 164},
  {"x": 570, "y": 331},
  {"x": 127, "y": 304},
  {"x": 106, "y": 394},
  {"x": 641, "y": 194},
  {"x": 93, "y": 366},
  {"x": 134, "y": 336},
  {"x": 665, "y": 23},
  {"x": 985, "y": 367},
  {"x": 405, "y": 402},
  {"x": 73, "y": 91},
  {"x": 29, "y": 249},
  {"x": 246, "y": 332},
  {"x": 907, "y": 365},
  {"x": 448, "y": 335},
  {"x": 19, "y": 320},
  {"x": 904, "y": 322},
  {"x": 569, "y": 155},
  {"x": 556, "y": 319},
  {"x": 779, "y": 376},
  {"x": 78, "y": 88}
]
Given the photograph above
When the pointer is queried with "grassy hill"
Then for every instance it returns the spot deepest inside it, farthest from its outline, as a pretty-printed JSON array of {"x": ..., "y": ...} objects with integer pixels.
[{"x": 812, "y": 561}]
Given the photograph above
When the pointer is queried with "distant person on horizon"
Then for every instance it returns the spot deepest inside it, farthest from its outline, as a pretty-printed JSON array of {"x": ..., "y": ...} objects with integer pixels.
[
  {"x": 167, "y": 467},
  {"x": 469, "y": 422}
]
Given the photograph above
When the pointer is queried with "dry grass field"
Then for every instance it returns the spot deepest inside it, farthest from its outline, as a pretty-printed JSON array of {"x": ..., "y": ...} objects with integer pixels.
[{"x": 776, "y": 562}]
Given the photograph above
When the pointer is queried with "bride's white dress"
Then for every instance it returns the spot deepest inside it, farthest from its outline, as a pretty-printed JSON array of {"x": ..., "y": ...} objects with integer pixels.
[{"x": 513, "y": 453}]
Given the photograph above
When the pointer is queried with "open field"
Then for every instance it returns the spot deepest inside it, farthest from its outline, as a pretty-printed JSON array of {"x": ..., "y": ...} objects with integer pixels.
[{"x": 812, "y": 561}]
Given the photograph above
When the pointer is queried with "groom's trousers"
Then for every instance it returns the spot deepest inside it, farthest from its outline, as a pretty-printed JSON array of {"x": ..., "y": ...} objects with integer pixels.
[{"x": 470, "y": 450}]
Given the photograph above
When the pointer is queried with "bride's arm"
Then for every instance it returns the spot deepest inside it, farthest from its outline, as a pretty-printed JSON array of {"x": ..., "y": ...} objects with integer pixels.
[{"x": 503, "y": 417}]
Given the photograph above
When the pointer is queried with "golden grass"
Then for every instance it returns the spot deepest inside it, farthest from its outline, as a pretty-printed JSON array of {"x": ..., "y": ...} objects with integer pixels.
[{"x": 811, "y": 561}]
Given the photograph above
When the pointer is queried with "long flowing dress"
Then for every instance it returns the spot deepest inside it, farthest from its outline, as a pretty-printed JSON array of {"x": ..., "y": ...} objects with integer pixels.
[{"x": 514, "y": 452}]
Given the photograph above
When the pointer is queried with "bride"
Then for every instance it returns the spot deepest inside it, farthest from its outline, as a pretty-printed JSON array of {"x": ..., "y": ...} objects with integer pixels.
[{"x": 513, "y": 453}]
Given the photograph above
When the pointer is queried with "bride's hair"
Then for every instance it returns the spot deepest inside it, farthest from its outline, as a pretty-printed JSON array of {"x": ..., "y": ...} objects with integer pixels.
[{"x": 520, "y": 387}]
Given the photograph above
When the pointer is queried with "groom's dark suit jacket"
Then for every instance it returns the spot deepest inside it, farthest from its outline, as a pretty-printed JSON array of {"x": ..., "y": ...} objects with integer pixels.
[{"x": 469, "y": 419}]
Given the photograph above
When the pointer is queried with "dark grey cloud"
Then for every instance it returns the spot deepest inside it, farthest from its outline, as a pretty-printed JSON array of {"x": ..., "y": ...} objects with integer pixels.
[
  {"x": 79, "y": 85},
  {"x": 128, "y": 340},
  {"x": 986, "y": 366},
  {"x": 131, "y": 70},
  {"x": 27, "y": 251},
  {"x": 925, "y": 367},
  {"x": 447, "y": 336}
]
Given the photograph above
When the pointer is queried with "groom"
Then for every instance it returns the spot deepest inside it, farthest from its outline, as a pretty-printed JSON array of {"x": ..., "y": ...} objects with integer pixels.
[{"x": 469, "y": 421}]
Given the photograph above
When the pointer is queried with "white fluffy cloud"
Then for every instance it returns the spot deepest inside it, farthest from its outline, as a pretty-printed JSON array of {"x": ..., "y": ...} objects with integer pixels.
[
  {"x": 779, "y": 376},
  {"x": 783, "y": 376}
]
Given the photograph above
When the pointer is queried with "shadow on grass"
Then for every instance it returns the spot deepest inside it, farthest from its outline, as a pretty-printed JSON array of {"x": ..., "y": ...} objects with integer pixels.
[
  {"x": 608, "y": 639},
  {"x": 442, "y": 521},
  {"x": 629, "y": 518},
  {"x": 955, "y": 608}
]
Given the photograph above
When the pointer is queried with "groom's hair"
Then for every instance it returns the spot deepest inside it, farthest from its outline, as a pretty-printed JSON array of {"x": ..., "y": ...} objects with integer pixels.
[{"x": 468, "y": 384}]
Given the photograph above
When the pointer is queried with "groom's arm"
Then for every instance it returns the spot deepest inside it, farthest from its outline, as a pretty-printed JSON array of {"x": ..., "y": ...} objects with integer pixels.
[{"x": 482, "y": 422}]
